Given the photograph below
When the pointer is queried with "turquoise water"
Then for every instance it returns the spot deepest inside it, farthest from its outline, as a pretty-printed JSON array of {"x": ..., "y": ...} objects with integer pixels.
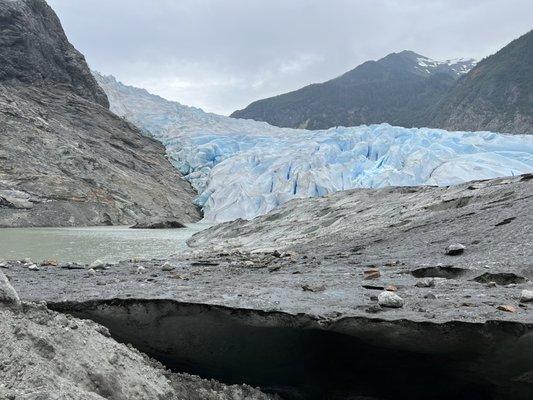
[{"x": 84, "y": 245}]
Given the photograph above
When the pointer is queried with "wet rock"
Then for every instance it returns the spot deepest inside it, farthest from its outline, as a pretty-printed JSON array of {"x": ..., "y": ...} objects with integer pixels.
[
  {"x": 159, "y": 224},
  {"x": 425, "y": 283},
  {"x": 372, "y": 273},
  {"x": 310, "y": 287},
  {"x": 390, "y": 299},
  {"x": 507, "y": 308},
  {"x": 455, "y": 249},
  {"x": 526, "y": 296}
]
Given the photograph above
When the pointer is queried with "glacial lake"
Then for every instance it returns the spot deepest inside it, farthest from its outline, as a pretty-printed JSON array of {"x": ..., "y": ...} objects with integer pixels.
[{"x": 84, "y": 245}]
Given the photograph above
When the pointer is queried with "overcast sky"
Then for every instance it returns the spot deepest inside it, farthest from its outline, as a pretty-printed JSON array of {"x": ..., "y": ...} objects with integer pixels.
[{"x": 223, "y": 54}]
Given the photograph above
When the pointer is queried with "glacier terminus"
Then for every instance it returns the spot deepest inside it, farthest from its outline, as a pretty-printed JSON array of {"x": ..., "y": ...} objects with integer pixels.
[{"x": 244, "y": 168}]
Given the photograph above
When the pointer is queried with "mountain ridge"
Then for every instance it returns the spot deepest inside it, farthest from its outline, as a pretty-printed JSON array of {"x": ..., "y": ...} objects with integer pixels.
[
  {"x": 386, "y": 90},
  {"x": 496, "y": 95}
]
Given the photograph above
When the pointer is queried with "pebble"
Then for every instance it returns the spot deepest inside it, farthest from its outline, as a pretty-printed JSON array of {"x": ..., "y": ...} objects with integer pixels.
[
  {"x": 33, "y": 267},
  {"x": 390, "y": 299},
  {"x": 391, "y": 288},
  {"x": 313, "y": 288},
  {"x": 372, "y": 273},
  {"x": 373, "y": 309},
  {"x": 98, "y": 264},
  {"x": 425, "y": 283},
  {"x": 526, "y": 296},
  {"x": 167, "y": 267},
  {"x": 49, "y": 263},
  {"x": 507, "y": 308},
  {"x": 455, "y": 249}
]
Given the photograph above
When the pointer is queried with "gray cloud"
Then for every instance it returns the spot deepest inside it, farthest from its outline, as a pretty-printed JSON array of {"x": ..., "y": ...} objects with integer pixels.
[{"x": 222, "y": 54}]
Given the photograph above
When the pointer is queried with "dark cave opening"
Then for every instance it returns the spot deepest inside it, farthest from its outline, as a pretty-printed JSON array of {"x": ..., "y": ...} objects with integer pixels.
[{"x": 282, "y": 357}]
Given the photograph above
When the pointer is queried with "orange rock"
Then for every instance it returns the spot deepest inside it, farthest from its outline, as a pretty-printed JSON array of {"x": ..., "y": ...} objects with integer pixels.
[
  {"x": 391, "y": 288},
  {"x": 507, "y": 308},
  {"x": 372, "y": 273}
]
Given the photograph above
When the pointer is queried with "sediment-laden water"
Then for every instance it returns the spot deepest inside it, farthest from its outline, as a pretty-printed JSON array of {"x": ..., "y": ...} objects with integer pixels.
[{"x": 84, "y": 245}]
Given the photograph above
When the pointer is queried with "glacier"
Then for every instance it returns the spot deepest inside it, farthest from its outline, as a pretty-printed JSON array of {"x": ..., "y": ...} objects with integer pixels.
[{"x": 244, "y": 168}]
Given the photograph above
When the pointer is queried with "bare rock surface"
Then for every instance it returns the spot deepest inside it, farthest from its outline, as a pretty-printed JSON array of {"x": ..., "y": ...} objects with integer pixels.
[{"x": 65, "y": 159}]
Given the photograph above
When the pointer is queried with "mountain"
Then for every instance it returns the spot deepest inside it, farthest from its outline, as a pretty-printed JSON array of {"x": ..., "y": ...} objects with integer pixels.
[
  {"x": 496, "y": 95},
  {"x": 65, "y": 159},
  {"x": 244, "y": 168},
  {"x": 396, "y": 89}
]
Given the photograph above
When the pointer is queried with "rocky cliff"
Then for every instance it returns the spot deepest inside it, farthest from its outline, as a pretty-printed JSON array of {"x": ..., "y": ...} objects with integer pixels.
[{"x": 65, "y": 159}]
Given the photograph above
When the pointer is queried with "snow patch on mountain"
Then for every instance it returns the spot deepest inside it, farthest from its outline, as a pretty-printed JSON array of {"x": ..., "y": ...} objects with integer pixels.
[{"x": 244, "y": 168}]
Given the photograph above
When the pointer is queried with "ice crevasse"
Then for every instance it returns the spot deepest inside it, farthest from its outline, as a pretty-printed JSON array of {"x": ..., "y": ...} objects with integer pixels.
[{"x": 243, "y": 168}]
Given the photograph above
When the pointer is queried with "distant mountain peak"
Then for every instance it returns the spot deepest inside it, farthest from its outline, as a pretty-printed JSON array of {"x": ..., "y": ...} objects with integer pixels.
[{"x": 394, "y": 89}]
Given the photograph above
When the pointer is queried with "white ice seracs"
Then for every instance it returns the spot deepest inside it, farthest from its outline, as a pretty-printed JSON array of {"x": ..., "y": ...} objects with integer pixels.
[{"x": 244, "y": 168}]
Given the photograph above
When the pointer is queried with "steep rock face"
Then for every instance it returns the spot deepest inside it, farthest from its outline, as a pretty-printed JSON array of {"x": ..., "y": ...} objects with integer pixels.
[
  {"x": 65, "y": 159},
  {"x": 34, "y": 49},
  {"x": 496, "y": 95},
  {"x": 396, "y": 89}
]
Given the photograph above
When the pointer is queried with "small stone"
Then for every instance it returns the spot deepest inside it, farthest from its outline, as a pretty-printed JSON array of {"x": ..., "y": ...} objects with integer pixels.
[
  {"x": 313, "y": 288},
  {"x": 425, "y": 283},
  {"x": 49, "y": 263},
  {"x": 507, "y": 308},
  {"x": 374, "y": 309},
  {"x": 98, "y": 264},
  {"x": 390, "y": 299},
  {"x": 27, "y": 261},
  {"x": 141, "y": 270},
  {"x": 492, "y": 284},
  {"x": 372, "y": 273},
  {"x": 91, "y": 272},
  {"x": 526, "y": 296},
  {"x": 274, "y": 268},
  {"x": 167, "y": 267},
  {"x": 276, "y": 253},
  {"x": 391, "y": 288},
  {"x": 430, "y": 296},
  {"x": 455, "y": 249},
  {"x": 33, "y": 267}
]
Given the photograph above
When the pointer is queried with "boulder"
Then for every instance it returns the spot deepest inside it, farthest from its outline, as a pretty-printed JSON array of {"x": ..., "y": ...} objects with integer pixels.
[{"x": 159, "y": 224}]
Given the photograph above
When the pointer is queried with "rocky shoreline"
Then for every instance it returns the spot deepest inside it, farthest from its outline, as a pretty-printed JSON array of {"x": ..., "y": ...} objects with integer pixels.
[{"x": 432, "y": 283}]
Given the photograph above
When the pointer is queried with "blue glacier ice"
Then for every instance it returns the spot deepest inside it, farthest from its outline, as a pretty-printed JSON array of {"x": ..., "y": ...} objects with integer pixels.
[{"x": 244, "y": 168}]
